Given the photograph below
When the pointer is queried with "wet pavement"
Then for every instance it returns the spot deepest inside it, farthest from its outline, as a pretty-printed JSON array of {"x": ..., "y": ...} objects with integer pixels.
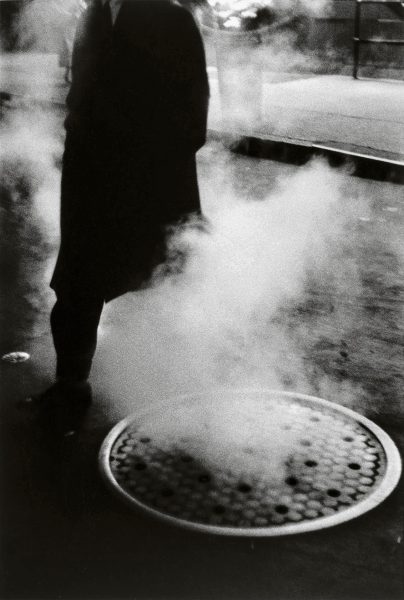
[{"x": 63, "y": 534}]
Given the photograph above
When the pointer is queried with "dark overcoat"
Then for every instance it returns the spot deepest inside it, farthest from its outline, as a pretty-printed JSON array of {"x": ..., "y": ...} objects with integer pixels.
[{"x": 137, "y": 112}]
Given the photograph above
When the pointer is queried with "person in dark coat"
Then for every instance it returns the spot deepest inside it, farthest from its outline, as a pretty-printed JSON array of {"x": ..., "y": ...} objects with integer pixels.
[{"x": 137, "y": 113}]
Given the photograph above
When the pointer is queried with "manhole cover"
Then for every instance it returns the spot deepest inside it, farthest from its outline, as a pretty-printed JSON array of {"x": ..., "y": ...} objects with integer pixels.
[{"x": 251, "y": 462}]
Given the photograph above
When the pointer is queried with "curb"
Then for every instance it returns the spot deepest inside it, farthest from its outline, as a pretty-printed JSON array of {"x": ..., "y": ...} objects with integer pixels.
[{"x": 297, "y": 152}]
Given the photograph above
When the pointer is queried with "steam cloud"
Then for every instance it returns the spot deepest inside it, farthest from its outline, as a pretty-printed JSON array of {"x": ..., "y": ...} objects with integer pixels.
[
  {"x": 226, "y": 321},
  {"x": 44, "y": 23},
  {"x": 29, "y": 216},
  {"x": 266, "y": 284},
  {"x": 227, "y": 435},
  {"x": 249, "y": 61},
  {"x": 219, "y": 322}
]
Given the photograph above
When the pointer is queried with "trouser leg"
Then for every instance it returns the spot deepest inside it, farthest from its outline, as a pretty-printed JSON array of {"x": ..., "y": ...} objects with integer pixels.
[{"x": 74, "y": 323}]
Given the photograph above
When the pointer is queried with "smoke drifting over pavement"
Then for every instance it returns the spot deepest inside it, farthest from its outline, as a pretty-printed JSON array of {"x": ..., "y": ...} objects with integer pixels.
[
  {"x": 236, "y": 315},
  {"x": 227, "y": 435},
  {"x": 29, "y": 217},
  {"x": 218, "y": 323},
  {"x": 44, "y": 23},
  {"x": 275, "y": 292},
  {"x": 31, "y": 151},
  {"x": 251, "y": 58}
]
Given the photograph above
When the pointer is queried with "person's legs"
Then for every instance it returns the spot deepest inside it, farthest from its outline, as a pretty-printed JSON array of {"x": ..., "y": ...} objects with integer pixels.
[{"x": 74, "y": 323}]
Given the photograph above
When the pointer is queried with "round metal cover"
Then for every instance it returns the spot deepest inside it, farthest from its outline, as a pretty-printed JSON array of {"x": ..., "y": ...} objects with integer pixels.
[{"x": 250, "y": 462}]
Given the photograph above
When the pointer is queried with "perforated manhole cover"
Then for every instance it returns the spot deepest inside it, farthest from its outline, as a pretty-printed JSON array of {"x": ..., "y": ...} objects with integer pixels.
[{"x": 251, "y": 462}]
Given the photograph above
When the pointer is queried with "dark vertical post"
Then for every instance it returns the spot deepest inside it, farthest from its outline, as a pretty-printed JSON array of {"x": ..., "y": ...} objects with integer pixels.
[{"x": 356, "y": 39}]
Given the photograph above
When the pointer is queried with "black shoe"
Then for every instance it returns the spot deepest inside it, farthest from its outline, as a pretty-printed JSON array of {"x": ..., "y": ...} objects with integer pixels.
[
  {"x": 62, "y": 391},
  {"x": 62, "y": 407}
]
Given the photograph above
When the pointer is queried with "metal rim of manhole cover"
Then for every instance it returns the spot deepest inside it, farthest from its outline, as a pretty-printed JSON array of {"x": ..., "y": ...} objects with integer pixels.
[{"x": 251, "y": 462}]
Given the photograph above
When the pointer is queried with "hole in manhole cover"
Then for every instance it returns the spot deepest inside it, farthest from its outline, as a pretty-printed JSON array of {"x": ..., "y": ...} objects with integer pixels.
[{"x": 310, "y": 463}]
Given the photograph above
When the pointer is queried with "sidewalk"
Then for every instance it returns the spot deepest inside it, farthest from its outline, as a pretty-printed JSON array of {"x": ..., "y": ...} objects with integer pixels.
[
  {"x": 362, "y": 117},
  {"x": 338, "y": 112}
]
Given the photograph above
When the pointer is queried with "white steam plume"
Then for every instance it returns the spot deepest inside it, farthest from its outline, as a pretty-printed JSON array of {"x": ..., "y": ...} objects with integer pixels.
[
  {"x": 43, "y": 24},
  {"x": 218, "y": 322},
  {"x": 275, "y": 45},
  {"x": 223, "y": 321},
  {"x": 243, "y": 311},
  {"x": 30, "y": 181}
]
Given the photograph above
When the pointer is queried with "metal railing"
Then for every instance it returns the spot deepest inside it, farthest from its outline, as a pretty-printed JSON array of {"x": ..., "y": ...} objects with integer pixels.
[{"x": 396, "y": 5}]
